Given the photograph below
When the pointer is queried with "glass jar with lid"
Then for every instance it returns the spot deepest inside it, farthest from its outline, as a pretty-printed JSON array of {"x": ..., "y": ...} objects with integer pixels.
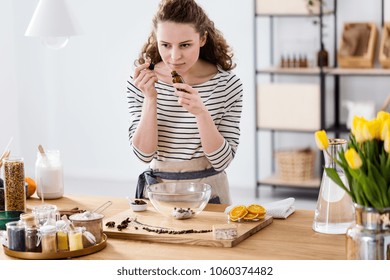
[
  {"x": 49, "y": 175},
  {"x": 15, "y": 193},
  {"x": 76, "y": 239},
  {"x": 16, "y": 236},
  {"x": 48, "y": 238},
  {"x": 62, "y": 236},
  {"x": 32, "y": 238}
]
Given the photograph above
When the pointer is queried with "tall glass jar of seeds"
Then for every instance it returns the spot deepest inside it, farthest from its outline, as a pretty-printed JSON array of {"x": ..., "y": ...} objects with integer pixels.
[{"x": 15, "y": 194}]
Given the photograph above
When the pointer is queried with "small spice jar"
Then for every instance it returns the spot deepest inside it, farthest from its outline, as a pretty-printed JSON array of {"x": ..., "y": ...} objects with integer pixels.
[
  {"x": 48, "y": 238},
  {"x": 92, "y": 222},
  {"x": 62, "y": 236},
  {"x": 15, "y": 194},
  {"x": 32, "y": 239},
  {"x": 16, "y": 236},
  {"x": 76, "y": 239}
]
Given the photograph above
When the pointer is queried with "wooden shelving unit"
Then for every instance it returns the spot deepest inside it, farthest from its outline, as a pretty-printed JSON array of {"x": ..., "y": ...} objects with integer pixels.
[{"x": 323, "y": 73}]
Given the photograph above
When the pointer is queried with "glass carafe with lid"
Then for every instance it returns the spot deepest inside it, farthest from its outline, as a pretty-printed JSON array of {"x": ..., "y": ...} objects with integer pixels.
[{"x": 335, "y": 211}]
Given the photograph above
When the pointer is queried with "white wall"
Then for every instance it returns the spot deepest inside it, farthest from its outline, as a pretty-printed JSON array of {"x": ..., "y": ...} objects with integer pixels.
[
  {"x": 9, "y": 109},
  {"x": 74, "y": 99}
]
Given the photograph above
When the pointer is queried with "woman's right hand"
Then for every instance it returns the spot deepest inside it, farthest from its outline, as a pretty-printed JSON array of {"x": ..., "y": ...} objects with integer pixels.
[{"x": 144, "y": 79}]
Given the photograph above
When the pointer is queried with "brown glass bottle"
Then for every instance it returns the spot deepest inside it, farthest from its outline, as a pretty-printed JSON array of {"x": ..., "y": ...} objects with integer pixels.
[
  {"x": 322, "y": 57},
  {"x": 176, "y": 78}
]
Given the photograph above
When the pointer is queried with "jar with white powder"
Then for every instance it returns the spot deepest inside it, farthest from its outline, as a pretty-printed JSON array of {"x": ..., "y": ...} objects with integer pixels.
[{"x": 49, "y": 175}]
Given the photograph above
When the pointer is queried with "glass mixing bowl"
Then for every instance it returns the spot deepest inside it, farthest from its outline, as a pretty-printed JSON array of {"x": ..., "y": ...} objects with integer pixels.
[{"x": 179, "y": 200}]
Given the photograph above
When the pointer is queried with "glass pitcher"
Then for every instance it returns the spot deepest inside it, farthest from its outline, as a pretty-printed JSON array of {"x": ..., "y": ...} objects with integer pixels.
[{"x": 335, "y": 211}]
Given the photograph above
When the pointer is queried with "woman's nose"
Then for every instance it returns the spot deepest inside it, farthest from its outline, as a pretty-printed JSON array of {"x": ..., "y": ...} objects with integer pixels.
[{"x": 175, "y": 53}]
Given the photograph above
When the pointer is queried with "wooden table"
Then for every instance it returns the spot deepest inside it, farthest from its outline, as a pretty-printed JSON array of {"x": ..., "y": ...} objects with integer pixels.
[{"x": 287, "y": 239}]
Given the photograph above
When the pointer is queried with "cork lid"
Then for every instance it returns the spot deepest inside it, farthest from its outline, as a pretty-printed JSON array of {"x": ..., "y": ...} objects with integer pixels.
[{"x": 28, "y": 219}]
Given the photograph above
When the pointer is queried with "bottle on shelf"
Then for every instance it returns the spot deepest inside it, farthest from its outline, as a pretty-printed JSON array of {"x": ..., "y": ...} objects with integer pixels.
[
  {"x": 283, "y": 62},
  {"x": 322, "y": 57},
  {"x": 295, "y": 62}
]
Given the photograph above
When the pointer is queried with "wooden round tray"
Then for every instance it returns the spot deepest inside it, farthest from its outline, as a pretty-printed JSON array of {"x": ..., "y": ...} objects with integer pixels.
[{"x": 58, "y": 255}]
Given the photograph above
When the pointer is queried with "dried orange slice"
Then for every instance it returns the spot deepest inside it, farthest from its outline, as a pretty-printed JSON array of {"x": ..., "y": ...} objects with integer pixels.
[
  {"x": 260, "y": 217},
  {"x": 256, "y": 209},
  {"x": 250, "y": 216},
  {"x": 238, "y": 212}
]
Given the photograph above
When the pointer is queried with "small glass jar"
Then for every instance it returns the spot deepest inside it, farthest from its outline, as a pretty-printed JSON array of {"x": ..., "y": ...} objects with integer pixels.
[
  {"x": 76, "y": 239},
  {"x": 16, "y": 236},
  {"x": 48, "y": 238},
  {"x": 49, "y": 175},
  {"x": 45, "y": 214},
  {"x": 62, "y": 236},
  {"x": 33, "y": 242},
  {"x": 32, "y": 239},
  {"x": 15, "y": 192}
]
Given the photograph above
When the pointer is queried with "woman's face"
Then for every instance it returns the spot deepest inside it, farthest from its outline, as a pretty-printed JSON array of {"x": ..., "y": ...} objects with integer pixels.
[{"x": 179, "y": 45}]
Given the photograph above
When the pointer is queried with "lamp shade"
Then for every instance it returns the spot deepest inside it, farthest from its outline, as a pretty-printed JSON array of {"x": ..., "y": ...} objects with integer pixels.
[{"x": 53, "y": 22}]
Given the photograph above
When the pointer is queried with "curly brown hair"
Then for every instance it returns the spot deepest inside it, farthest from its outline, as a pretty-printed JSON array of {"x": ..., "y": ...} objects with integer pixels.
[{"x": 216, "y": 50}]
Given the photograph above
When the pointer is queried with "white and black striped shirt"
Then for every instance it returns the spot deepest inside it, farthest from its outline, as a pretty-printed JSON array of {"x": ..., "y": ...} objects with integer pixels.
[{"x": 178, "y": 136}]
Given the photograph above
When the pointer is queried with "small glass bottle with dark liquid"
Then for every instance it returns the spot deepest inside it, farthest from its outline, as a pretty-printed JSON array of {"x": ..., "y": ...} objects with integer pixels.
[
  {"x": 176, "y": 78},
  {"x": 322, "y": 57}
]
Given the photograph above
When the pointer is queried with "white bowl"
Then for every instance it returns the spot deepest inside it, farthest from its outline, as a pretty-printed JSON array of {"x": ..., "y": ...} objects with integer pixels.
[
  {"x": 179, "y": 200},
  {"x": 137, "y": 207}
]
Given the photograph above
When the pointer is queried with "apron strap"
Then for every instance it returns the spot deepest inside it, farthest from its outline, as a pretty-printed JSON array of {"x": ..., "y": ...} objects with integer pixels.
[{"x": 150, "y": 177}]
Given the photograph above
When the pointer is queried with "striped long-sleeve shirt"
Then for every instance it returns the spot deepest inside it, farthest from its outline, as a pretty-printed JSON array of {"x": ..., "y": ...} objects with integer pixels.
[{"x": 178, "y": 135}]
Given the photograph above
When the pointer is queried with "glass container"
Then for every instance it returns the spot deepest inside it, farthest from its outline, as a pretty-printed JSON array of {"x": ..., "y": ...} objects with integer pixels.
[
  {"x": 33, "y": 242},
  {"x": 48, "y": 238},
  {"x": 32, "y": 239},
  {"x": 15, "y": 191},
  {"x": 62, "y": 236},
  {"x": 369, "y": 237},
  {"x": 45, "y": 214},
  {"x": 76, "y": 239},
  {"x": 16, "y": 236},
  {"x": 335, "y": 211},
  {"x": 49, "y": 175}
]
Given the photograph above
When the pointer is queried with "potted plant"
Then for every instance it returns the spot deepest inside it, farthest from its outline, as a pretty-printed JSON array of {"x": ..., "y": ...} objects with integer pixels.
[{"x": 366, "y": 165}]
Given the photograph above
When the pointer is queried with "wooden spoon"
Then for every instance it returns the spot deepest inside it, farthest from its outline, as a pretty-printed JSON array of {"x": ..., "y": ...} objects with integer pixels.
[{"x": 5, "y": 155}]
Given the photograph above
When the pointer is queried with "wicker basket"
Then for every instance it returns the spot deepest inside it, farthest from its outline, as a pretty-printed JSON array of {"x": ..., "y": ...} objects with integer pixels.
[{"x": 295, "y": 165}]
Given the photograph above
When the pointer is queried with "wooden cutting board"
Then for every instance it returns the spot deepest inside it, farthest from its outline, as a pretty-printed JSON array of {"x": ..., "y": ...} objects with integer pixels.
[{"x": 203, "y": 221}]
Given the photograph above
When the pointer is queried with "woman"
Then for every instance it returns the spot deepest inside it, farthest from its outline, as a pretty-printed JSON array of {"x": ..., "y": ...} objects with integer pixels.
[{"x": 186, "y": 131}]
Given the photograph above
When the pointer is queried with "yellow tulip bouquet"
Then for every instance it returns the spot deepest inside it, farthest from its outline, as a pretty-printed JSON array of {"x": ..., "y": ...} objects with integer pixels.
[{"x": 365, "y": 162}]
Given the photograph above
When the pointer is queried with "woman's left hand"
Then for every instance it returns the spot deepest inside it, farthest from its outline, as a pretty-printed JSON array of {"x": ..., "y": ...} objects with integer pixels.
[{"x": 189, "y": 98}]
